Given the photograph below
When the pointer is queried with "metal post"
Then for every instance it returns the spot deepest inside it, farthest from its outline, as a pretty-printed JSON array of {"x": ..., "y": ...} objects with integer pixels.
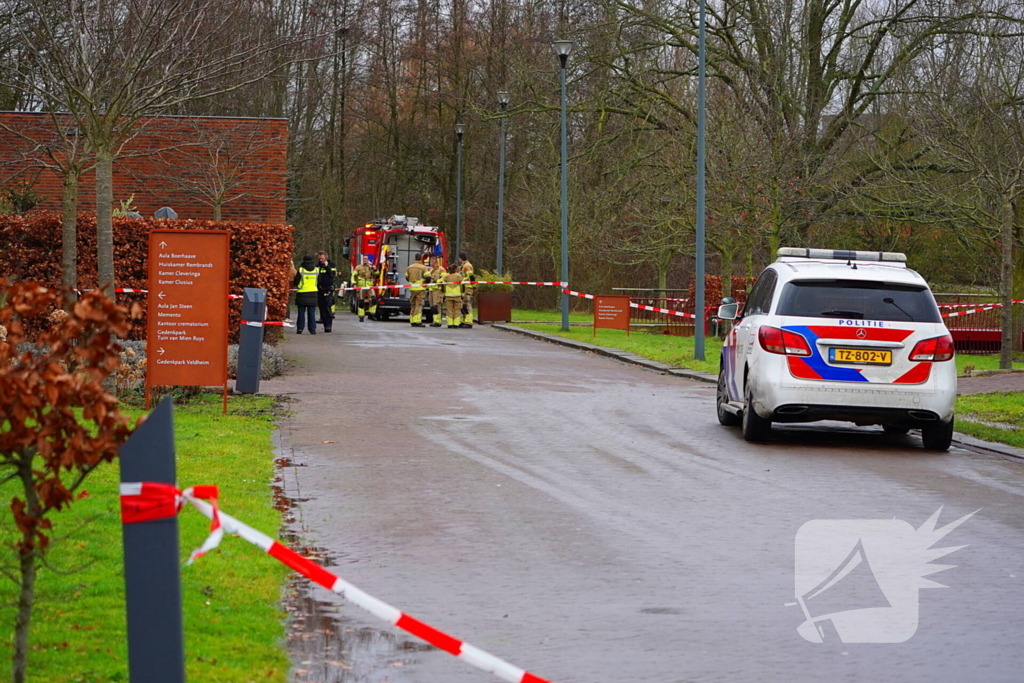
[
  {"x": 698, "y": 304},
  {"x": 563, "y": 57},
  {"x": 152, "y": 579},
  {"x": 459, "y": 130},
  {"x": 250, "y": 341},
  {"x": 503, "y": 97}
]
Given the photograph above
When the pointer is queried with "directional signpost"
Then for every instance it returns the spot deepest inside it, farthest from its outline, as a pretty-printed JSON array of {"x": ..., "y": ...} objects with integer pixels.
[
  {"x": 187, "y": 335},
  {"x": 611, "y": 312}
]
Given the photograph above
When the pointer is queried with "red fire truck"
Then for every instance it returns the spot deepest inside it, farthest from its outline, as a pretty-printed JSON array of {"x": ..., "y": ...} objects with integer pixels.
[{"x": 391, "y": 244}]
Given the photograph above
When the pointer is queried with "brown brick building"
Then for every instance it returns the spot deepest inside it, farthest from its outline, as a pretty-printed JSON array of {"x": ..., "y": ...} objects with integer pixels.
[{"x": 191, "y": 164}]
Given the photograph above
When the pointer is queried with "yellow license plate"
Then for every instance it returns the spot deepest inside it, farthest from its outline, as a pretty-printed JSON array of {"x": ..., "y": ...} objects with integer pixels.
[{"x": 860, "y": 356}]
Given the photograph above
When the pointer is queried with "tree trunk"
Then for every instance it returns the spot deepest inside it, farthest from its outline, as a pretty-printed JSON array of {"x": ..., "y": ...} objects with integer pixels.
[
  {"x": 24, "y": 617},
  {"x": 104, "y": 218},
  {"x": 27, "y": 560},
  {"x": 1006, "y": 286},
  {"x": 216, "y": 211},
  {"x": 725, "y": 271},
  {"x": 662, "y": 267},
  {"x": 69, "y": 234},
  {"x": 1018, "y": 281}
]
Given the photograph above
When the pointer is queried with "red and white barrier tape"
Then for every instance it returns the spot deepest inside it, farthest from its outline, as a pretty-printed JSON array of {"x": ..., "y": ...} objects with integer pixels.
[
  {"x": 666, "y": 311},
  {"x": 1015, "y": 301},
  {"x": 147, "y": 501},
  {"x": 973, "y": 310},
  {"x": 979, "y": 309},
  {"x": 125, "y": 290},
  {"x": 441, "y": 284},
  {"x": 277, "y": 323},
  {"x": 119, "y": 290}
]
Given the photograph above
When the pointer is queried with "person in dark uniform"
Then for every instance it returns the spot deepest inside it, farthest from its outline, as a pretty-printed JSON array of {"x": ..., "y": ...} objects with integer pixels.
[{"x": 325, "y": 289}]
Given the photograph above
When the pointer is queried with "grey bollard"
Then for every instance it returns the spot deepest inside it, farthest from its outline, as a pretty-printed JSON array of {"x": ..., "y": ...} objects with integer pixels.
[
  {"x": 250, "y": 341},
  {"x": 156, "y": 648}
]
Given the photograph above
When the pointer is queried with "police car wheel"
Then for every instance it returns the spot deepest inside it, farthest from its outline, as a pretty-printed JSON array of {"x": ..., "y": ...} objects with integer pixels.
[
  {"x": 938, "y": 437},
  {"x": 724, "y": 416},
  {"x": 755, "y": 427}
]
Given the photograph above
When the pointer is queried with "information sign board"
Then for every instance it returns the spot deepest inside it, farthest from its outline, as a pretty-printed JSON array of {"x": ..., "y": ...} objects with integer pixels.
[
  {"x": 187, "y": 334},
  {"x": 611, "y": 312}
]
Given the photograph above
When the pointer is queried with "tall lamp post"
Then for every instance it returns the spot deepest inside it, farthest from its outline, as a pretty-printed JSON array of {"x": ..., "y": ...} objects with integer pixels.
[
  {"x": 460, "y": 129},
  {"x": 503, "y": 99},
  {"x": 562, "y": 49},
  {"x": 698, "y": 305}
]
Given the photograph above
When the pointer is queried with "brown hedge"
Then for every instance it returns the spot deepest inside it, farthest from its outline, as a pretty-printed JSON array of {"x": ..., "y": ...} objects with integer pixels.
[{"x": 261, "y": 256}]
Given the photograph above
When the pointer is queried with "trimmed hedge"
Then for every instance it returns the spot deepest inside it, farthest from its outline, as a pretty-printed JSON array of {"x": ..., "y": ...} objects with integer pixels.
[{"x": 261, "y": 256}]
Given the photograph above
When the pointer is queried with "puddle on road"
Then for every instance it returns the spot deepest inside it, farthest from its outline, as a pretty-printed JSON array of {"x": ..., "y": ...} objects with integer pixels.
[
  {"x": 323, "y": 646},
  {"x": 324, "y": 650}
]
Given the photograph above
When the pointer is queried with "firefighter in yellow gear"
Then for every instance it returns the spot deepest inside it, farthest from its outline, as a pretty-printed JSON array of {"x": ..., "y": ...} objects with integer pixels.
[
  {"x": 418, "y": 275},
  {"x": 468, "y": 290},
  {"x": 365, "y": 276},
  {"x": 437, "y": 275},
  {"x": 453, "y": 298}
]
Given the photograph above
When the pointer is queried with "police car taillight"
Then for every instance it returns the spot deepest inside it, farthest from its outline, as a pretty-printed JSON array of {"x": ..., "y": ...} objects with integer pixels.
[
  {"x": 784, "y": 342},
  {"x": 934, "y": 350}
]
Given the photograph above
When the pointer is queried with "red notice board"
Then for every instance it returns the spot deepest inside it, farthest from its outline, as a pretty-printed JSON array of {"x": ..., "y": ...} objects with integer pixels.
[
  {"x": 187, "y": 332},
  {"x": 611, "y": 312}
]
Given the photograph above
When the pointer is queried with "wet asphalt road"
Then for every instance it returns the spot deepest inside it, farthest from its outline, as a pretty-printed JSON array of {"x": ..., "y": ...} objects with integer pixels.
[{"x": 592, "y": 522}]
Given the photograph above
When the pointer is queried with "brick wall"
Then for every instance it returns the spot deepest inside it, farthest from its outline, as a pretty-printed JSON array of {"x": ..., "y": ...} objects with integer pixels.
[{"x": 178, "y": 161}]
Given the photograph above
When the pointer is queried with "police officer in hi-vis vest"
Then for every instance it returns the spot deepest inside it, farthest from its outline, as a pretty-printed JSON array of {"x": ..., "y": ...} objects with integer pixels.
[
  {"x": 418, "y": 275},
  {"x": 365, "y": 276},
  {"x": 437, "y": 275},
  {"x": 305, "y": 282}
]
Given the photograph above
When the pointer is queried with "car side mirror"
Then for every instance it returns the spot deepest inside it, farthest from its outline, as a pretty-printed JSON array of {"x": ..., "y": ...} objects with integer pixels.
[
  {"x": 729, "y": 309},
  {"x": 345, "y": 251}
]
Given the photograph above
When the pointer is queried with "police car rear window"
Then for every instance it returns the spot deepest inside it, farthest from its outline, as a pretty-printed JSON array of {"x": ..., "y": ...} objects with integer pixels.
[{"x": 858, "y": 300}]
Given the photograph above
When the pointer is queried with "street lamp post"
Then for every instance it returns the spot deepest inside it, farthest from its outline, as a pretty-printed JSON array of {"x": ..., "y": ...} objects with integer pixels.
[
  {"x": 460, "y": 129},
  {"x": 503, "y": 99},
  {"x": 698, "y": 305},
  {"x": 562, "y": 49}
]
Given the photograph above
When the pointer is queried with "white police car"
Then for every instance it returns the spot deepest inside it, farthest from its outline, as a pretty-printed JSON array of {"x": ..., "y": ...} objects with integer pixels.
[{"x": 838, "y": 335}]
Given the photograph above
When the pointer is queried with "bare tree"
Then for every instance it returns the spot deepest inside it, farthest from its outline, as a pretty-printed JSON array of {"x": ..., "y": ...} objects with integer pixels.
[
  {"x": 957, "y": 159},
  {"x": 108, "y": 64},
  {"x": 216, "y": 166},
  {"x": 59, "y": 147}
]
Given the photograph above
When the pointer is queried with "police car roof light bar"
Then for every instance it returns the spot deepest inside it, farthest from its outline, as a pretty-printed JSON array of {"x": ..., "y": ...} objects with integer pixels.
[{"x": 842, "y": 254}]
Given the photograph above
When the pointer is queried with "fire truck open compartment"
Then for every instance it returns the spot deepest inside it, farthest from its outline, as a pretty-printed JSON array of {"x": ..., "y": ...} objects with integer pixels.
[{"x": 397, "y": 240}]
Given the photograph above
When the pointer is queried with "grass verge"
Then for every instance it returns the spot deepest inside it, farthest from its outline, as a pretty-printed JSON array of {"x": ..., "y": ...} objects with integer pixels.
[
  {"x": 985, "y": 362},
  {"x": 552, "y": 316},
  {"x": 1002, "y": 407},
  {"x": 234, "y": 626},
  {"x": 658, "y": 347}
]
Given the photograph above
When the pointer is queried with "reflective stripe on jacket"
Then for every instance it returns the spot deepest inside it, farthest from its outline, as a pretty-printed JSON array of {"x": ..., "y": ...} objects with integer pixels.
[
  {"x": 453, "y": 286},
  {"x": 364, "y": 276}
]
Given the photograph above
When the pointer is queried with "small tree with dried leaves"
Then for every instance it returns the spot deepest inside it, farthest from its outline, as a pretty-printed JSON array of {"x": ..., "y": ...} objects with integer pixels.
[{"x": 59, "y": 422}]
